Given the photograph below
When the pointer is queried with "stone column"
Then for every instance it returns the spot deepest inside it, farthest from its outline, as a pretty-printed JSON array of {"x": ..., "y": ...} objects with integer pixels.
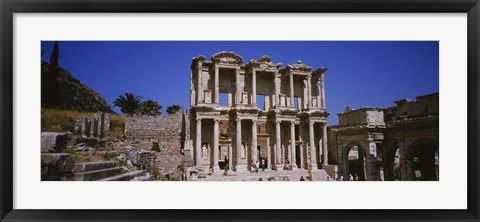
[
  {"x": 325, "y": 144},
  {"x": 292, "y": 144},
  {"x": 238, "y": 143},
  {"x": 301, "y": 138},
  {"x": 199, "y": 85},
  {"x": 254, "y": 87},
  {"x": 237, "y": 86},
  {"x": 230, "y": 166},
  {"x": 217, "y": 79},
  {"x": 277, "y": 90},
  {"x": 278, "y": 145},
  {"x": 216, "y": 168},
  {"x": 319, "y": 97},
  {"x": 254, "y": 140},
  {"x": 198, "y": 142},
  {"x": 313, "y": 162},
  {"x": 292, "y": 98},
  {"x": 322, "y": 83},
  {"x": 309, "y": 91},
  {"x": 269, "y": 155}
]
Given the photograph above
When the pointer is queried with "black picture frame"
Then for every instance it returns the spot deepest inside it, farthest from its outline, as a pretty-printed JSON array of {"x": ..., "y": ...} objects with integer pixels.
[{"x": 9, "y": 7}]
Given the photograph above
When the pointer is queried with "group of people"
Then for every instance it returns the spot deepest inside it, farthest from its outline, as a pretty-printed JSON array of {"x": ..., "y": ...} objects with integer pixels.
[{"x": 257, "y": 165}]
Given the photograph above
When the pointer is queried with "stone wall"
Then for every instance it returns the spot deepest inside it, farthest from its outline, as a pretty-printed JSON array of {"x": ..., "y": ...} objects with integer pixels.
[
  {"x": 363, "y": 116},
  {"x": 424, "y": 106},
  {"x": 171, "y": 133}
]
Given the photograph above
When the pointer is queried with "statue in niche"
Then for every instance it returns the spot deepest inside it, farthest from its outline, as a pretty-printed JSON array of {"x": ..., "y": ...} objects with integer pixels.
[
  {"x": 373, "y": 149},
  {"x": 243, "y": 150},
  {"x": 204, "y": 152}
]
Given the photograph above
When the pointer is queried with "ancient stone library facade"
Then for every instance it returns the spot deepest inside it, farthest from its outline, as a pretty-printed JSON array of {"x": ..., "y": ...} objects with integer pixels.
[{"x": 289, "y": 124}]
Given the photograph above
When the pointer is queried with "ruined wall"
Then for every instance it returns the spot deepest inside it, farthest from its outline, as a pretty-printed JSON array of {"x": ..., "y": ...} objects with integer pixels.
[
  {"x": 363, "y": 116},
  {"x": 424, "y": 106},
  {"x": 171, "y": 132}
]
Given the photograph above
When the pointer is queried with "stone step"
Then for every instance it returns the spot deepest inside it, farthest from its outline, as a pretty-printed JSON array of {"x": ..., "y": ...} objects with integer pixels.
[
  {"x": 89, "y": 166},
  {"x": 125, "y": 176},
  {"x": 293, "y": 175},
  {"x": 97, "y": 174},
  {"x": 144, "y": 178}
]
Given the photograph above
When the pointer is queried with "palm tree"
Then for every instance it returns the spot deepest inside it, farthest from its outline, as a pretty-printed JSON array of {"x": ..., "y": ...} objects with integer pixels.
[
  {"x": 129, "y": 103},
  {"x": 173, "y": 109},
  {"x": 150, "y": 108}
]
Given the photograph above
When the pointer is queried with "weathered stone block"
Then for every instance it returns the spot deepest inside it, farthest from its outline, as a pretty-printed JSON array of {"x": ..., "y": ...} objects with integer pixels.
[
  {"x": 51, "y": 141},
  {"x": 57, "y": 166}
]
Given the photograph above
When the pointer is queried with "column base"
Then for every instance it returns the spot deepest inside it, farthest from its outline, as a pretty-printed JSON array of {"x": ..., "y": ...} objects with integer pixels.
[
  {"x": 241, "y": 168},
  {"x": 279, "y": 167},
  {"x": 314, "y": 167},
  {"x": 294, "y": 167},
  {"x": 216, "y": 169}
]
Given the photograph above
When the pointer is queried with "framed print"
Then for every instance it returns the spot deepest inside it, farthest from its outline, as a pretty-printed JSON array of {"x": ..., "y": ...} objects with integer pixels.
[{"x": 205, "y": 110}]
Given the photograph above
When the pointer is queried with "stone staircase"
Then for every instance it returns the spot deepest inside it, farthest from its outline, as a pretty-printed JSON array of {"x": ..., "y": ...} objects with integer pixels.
[
  {"x": 267, "y": 175},
  {"x": 107, "y": 171}
]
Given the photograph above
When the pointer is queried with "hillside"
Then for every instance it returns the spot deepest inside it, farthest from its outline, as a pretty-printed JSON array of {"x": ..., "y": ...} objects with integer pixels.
[{"x": 73, "y": 94}]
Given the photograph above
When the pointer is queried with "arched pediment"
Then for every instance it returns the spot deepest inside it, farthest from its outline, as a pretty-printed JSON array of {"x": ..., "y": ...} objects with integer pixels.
[
  {"x": 299, "y": 66},
  {"x": 264, "y": 62},
  {"x": 227, "y": 57}
]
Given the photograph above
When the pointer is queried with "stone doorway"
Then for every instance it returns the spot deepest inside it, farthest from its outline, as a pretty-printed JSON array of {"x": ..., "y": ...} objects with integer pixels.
[{"x": 356, "y": 163}]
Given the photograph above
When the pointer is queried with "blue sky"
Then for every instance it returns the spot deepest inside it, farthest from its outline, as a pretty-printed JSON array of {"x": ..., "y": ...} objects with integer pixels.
[{"x": 360, "y": 73}]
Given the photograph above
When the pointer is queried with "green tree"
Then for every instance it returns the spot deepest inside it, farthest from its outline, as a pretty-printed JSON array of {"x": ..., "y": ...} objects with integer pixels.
[
  {"x": 51, "y": 87},
  {"x": 129, "y": 103},
  {"x": 150, "y": 108},
  {"x": 173, "y": 109}
]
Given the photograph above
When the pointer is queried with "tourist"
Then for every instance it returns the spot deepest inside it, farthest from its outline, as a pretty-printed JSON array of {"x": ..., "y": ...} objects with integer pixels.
[
  {"x": 226, "y": 170},
  {"x": 257, "y": 166},
  {"x": 328, "y": 178},
  {"x": 341, "y": 178},
  {"x": 252, "y": 167},
  {"x": 357, "y": 178},
  {"x": 260, "y": 179},
  {"x": 225, "y": 160},
  {"x": 350, "y": 177},
  {"x": 301, "y": 178}
]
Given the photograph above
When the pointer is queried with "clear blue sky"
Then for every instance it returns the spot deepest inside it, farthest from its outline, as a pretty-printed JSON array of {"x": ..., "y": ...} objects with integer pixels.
[{"x": 360, "y": 73}]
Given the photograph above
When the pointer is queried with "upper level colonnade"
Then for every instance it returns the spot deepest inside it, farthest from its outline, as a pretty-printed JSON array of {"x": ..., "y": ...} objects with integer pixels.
[{"x": 227, "y": 82}]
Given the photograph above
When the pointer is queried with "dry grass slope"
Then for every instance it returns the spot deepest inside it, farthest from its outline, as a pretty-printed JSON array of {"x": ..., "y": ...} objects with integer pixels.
[{"x": 59, "y": 120}]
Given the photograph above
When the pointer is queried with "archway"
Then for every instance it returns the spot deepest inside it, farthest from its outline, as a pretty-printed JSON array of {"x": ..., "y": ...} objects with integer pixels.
[
  {"x": 422, "y": 160},
  {"x": 393, "y": 162},
  {"x": 355, "y": 160}
]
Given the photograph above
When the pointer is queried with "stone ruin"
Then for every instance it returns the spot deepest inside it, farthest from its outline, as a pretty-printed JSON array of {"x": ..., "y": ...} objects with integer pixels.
[
  {"x": 170, "y": 133},
  {"x": 92, "y": 130},
  {"x": 93, "y": 127}
]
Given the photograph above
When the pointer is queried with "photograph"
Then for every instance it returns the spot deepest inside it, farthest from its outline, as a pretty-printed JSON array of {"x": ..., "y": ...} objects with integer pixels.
[{"x": 331, "y": 111}]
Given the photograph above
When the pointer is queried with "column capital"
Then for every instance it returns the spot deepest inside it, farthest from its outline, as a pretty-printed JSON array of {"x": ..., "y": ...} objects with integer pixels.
[
  {"x": 217, "y": 66},
  {"x": 292, "y": 122},
  {"x": 216, "y": 120},
  {"x": 311, "y": 122},
  {"x": 254, "y": 122},
  {"x": 238, "y": 120},
  {"x": 278, "y": 121},
  {"x": 198, "y": 119}
]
